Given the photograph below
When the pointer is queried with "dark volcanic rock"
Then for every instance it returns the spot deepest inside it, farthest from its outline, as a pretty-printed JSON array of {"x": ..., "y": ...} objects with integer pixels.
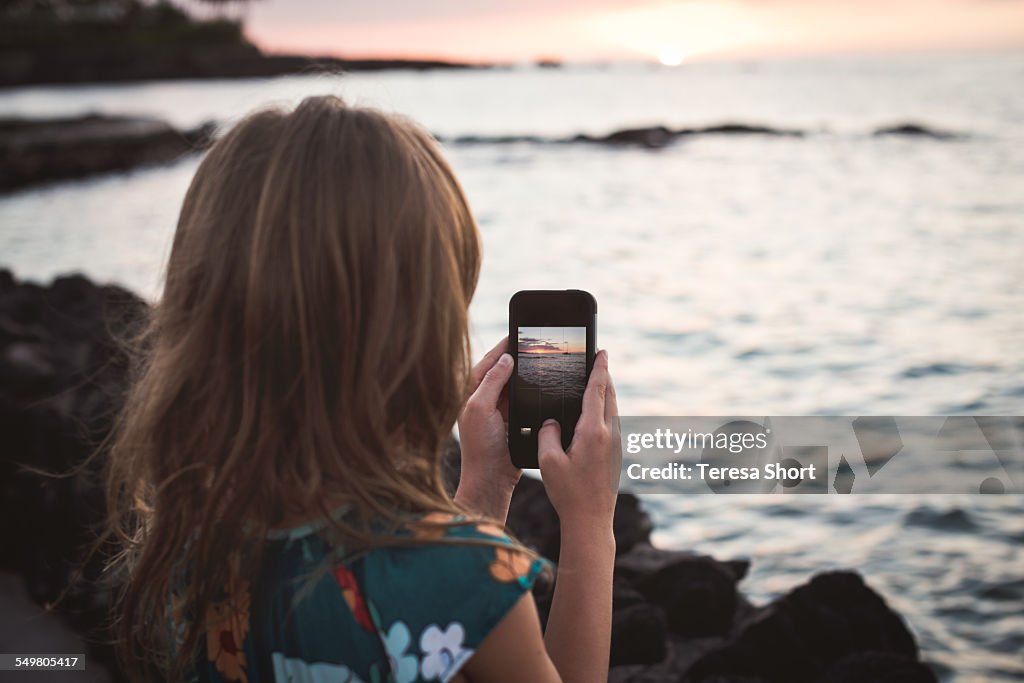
[
  {"x": 740, "y": 129},
  {"x": 61, "y": 378},
  {"x": 534, "y": 521},
  {"x": 638, "y": 634},
  {"x": 656, "y": 137},
  {"x": 659, "y": 136},
  {"x": 698, "y": 593},
  {"x": 914, "y": 130},
  {"x": 639, "y": 628},
  {"x": 806, "y": 632},
  {"x": 39, "y": 151},
  {"x": 878, "y": 667}
]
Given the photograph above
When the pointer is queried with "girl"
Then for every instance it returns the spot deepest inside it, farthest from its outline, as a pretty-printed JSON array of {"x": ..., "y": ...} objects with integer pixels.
[{"x": 275, "y": 475}]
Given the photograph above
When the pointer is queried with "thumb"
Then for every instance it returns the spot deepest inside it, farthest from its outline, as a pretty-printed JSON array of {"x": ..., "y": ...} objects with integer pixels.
[
  {"x": 549, "y": 443},
  {"x": 494, "y": 381}
]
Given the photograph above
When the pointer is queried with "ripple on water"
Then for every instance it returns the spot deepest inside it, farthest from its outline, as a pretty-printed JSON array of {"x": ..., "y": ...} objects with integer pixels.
[{"x": 933, "y": 369}]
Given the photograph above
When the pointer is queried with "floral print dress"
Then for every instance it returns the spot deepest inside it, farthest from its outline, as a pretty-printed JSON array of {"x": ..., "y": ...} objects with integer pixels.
[{"x": 397, "y": 614}]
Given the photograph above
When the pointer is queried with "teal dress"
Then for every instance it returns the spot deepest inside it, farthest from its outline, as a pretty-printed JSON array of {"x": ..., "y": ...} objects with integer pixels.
[{"x": 397, "y": 614}]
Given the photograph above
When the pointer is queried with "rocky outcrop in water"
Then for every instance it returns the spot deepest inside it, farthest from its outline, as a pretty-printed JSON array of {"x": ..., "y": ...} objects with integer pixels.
[
  {"x": 914, "y": 130},
  {"x": 677, "y": 616},
  {"x": 651, "y": 137},
  {"x": 34, "y": 151},
  {"x": 659, "y": 136}
]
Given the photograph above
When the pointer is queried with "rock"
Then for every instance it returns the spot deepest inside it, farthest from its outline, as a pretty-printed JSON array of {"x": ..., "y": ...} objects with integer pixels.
[
  {"x": 534, "y": 521},
  {"x": 34, "y": 151},
  {"x": 914, "y": 130},
  {"x": 638, "y": 634},
  {"x": 651, "y": 138},
  {"x": 800, "y": 636},
  {"x": 61, "y": 373},
  {"x": 639, "y": 628},
  {"x": 740, "y": 129},
  {"x": 878, "y": 667},
  {"x": 656, "y": 137},
  {"x": 698, "y": 593},
  {"x": 631, "y": 525},
  {"x": 680, "y": 655}
]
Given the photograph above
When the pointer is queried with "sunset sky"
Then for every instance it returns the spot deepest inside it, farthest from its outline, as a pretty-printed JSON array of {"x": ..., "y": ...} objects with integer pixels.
[
  {"x": 552, "y": 339},
  {"x": 669, "y": 31}
]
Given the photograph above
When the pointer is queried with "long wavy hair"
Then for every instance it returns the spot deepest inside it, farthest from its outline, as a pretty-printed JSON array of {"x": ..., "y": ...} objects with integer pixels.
[{"x": 310, "y": 350}]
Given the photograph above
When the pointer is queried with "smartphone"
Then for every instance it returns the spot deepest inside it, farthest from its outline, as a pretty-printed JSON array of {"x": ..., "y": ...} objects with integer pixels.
[{"x": 551, "y": 338}]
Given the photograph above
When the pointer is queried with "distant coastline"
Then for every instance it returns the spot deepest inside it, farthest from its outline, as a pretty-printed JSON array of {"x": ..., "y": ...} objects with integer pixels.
[
  {"x": 57, "y": 69},
  {"x": 142, "y": 42}
]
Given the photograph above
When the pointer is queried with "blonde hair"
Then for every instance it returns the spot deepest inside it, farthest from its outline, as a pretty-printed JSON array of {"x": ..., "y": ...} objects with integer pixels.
[{"x": 311, "y": 341}]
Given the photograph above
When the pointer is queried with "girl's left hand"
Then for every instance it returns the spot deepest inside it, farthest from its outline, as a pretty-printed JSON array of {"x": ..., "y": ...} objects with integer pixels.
[{"x": 488, "y": 475}]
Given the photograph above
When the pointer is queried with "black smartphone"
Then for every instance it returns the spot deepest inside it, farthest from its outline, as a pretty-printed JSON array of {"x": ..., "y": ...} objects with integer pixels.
[{"x": 551, "y": 336}]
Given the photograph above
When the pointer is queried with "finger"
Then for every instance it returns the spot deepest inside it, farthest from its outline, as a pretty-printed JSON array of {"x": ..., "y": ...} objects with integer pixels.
[
  {"x": 493, "y": 383},
  {"x": 549, "y": 444},
  {"x": 476, "y": 375},
  {"x": 611, "y": 404},
  {"x": 503, "y": 405},
  {"x": 597, "y": 389}
]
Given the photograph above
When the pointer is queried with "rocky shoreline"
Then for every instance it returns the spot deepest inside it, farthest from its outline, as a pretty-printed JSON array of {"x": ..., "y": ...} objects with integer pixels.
[
  {"x": 38, "y": 151},
  {"x": 677, "y": 616}
]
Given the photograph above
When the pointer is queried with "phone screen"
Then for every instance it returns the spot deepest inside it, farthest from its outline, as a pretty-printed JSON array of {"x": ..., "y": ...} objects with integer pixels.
[
  {"x": 551, "y": 375},
  {"x": 551, "y": 338}
]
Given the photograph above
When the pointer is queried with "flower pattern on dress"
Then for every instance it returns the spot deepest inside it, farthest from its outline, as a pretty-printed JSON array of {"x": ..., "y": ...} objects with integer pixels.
[
  {"x": 227, "y": 625},
  {"x": 404, "y": 666},
  {"x": 353, "y": 596},
  {"x": 510, "y": 564},
  {"x": 296, "y": 670},
  {"x": 416, "y": 614},
  {"x": 491, "y": 529},
  {"x": 444, "y": 652}
]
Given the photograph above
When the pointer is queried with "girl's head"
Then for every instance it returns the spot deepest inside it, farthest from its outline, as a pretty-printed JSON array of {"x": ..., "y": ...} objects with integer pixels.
[{"x": 310, "y": 348}]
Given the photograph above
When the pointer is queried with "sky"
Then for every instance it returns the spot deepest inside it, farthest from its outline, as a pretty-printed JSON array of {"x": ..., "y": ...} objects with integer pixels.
[
  {"x": 552, "y": 339},
  {"x": 670, "y": 31}
]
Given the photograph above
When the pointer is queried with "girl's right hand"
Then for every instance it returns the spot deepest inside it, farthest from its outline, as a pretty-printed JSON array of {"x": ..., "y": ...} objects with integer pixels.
[{"x": 583, "y": 482}]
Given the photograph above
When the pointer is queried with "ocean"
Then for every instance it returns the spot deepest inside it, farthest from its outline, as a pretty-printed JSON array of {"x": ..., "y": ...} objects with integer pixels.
[
  {"x": 837, "y": 272},
  {"x": 564, "y": 375}
]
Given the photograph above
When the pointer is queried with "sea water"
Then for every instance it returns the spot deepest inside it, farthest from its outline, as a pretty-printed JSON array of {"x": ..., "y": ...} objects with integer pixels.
[{"x": 836, "y": 272}]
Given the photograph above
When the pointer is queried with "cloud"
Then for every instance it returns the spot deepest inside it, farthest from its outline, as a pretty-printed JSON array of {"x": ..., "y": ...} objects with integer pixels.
[{"x": 534, "y": 345}]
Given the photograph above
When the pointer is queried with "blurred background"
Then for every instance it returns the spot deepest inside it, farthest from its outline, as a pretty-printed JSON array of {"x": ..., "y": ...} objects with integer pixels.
[{"x": 783, "y": 207}]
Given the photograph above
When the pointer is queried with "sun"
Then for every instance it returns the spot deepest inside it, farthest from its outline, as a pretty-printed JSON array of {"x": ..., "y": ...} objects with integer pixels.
[{"x": 670, "y": 56}]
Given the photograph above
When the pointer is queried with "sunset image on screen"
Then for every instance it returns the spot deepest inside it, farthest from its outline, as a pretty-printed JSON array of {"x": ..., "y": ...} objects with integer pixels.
[{"x": 552, "y": 340}]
